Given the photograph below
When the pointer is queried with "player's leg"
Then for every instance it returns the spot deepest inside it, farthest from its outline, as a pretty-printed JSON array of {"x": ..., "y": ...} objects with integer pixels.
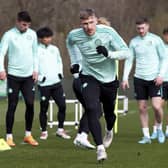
[
  {"x": 157, "y": 107},
  {"x": 165, "y": 98},
  {"x": 28, "y": 91},
  {"x": 164, "y": 90},
  {"x": 166, "y": 131},
  {"x": 155, "y": 93},
  {"x": 141, "y": 95},
  {"x": 13, "y": 92},
  {"x": 108, "y": 98},
  {"x": 77, "y": 88},
  {"x": 144, "y": 119},
  {"x": 154, "y": 133},
  {"x": 91, "y": 95},
  {"x": 81, "y": 138},
  {"x": 44, "y": 103},
  {"x": 58, "y": 95}
]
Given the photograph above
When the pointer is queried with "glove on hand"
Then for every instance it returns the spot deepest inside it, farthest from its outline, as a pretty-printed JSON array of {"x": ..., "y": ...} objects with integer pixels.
[
  {"x": 74, "y": 69},
  {"x": 60, "y": 76},
  {"x": 102, "y": 50}
]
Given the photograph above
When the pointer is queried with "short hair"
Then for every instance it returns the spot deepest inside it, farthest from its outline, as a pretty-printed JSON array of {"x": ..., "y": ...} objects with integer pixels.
[
  {"x": 23, "y": 16},
  {"x": 104, "y": 21},
  {"x": 44, "y": 32},
  {"x": 86, "y": 13},
  {"x": 165, "y": 30},
  {"x": 142, "y": 20}
]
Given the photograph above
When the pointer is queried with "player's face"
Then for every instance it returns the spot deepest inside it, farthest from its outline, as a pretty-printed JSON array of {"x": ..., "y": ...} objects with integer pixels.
[
  {"x": 165, "y": 37},
  {"x": 142, "y": 29},
  {"x": 46, "y": 40},
  {"x": 89, "y": 25},
  {"x": 22, "y": 26}
]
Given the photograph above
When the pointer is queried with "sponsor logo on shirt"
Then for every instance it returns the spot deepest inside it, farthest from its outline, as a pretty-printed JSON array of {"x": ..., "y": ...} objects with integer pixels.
[
  {"x": 98, "y": 42},
  {"x": 149, "y": 43},
  {"x": 10, "y": 90},
  {"x": 158, "y": 93},
  {"x": 85, "y": 85},
  {"x": 29, "y": 37},
  {"x": 33, "y": 89},
  {"x": 52, "y": 51},
  {"x": 43, "y": 98}
]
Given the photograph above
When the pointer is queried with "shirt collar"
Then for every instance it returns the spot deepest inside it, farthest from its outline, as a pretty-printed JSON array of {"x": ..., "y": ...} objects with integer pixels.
[
  {"x": 18, "y": 31},
  {"x": 146, "y": 35},
  {"x": 43, "y": 46}
]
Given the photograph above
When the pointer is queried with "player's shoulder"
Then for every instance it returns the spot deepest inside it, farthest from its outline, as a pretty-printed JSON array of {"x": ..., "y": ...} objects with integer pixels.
[
  {"x": 156, "y": 39},
  {"x": 134, "y": 40},
  {"x": 9, "y": 32},
  {"x": 53, "y": 47},
  {"x": 75, "y": 35},
  {"x": 31, "y": 31},
  {"x": 75, "y": 31},
  {"x": 154, "y": 36},
  {"x": 104, "y": 28}
]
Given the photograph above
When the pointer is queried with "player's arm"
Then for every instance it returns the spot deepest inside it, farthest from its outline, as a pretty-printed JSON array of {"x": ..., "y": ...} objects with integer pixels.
[
  {"x": 127, "y": 68},
  {"x": 3, "y": 51},
  {"x": 75, "y": 57},
  {"x": 60, "y": 65},
  {"x": 163, "y": 57},
  {"x": 35, "y": 59},
  {"x": 121, "y": 50}
]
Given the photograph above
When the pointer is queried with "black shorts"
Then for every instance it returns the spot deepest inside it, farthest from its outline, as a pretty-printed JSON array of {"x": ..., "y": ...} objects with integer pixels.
[
  {"x": 165, "y": 91},
  {"x": 144, "y": 89}
]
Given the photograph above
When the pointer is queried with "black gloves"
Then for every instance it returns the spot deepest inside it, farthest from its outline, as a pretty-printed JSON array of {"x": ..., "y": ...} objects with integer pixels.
[
  {"x": 60, "y": 76},
  {"x": 42, "y": 80},
  {"x": 102, "y": 50},
  {"x": 74, "y": 68}
]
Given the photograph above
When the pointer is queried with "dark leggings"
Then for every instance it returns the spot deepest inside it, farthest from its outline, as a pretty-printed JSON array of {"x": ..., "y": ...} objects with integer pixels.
[
  {"x": 26, "y": 86},
  {"x": 77, "y": 88},
  {"x": 94, "y": 93},
  {"x": 57, "y": 93}
]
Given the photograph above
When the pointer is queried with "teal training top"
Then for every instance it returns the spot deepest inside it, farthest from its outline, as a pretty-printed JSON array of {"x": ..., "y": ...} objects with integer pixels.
[
  {"x": 50, "y": 64},
  {"x": 82, "y": 49},
  {"x": 150, "y": 55},
  {"x": 21, "y": 50},
  {"x": 166, "y": 74}
]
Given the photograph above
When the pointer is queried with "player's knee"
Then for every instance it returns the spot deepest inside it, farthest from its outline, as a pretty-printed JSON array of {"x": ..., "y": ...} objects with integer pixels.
[
  {"x": 157, "y": 107},
  {"x": 142, "y": 108},
  {"x": 12, "y": 106},
  {"x": 91, "y": 108},
  {"x": 30, "y": 105},
  {"x": 62, "y": 106}
]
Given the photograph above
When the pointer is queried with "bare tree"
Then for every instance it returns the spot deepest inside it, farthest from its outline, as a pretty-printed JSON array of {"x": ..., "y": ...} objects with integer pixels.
[{"x": 62, "y": 16}]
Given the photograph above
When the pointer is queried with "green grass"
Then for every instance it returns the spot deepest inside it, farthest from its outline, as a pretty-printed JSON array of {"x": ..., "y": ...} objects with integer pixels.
[{"x": 55, "y": 152}]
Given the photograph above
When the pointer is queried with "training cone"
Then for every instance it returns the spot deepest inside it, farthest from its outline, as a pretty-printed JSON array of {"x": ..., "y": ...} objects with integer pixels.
[{"x": 3, "y": 145}]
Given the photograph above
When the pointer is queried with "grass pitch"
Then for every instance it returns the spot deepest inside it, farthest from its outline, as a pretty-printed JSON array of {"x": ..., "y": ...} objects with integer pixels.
[{"x": 55, "y": 152}]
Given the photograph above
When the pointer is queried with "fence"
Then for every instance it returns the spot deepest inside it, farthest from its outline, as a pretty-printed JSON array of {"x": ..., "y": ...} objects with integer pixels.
[{"x": 78, "y": 111}]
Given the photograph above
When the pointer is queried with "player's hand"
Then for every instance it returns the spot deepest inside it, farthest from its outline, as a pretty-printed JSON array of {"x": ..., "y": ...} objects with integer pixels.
[
  {"x": 2, "y": 75},
  {"x": 43, "y": 79},
  {"x": 102, "y": 50},
  {"x": 74, "y": 68},
  {"x": 125, "y": 85},
  {"x": 35, "y": 76},
  {"x": 60, "y": 76},
  {"x": 158, "y": 81}
]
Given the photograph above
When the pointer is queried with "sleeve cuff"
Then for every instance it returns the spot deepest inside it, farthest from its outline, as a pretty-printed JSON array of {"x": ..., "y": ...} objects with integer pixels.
[{"x": 76, "y": 75}]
